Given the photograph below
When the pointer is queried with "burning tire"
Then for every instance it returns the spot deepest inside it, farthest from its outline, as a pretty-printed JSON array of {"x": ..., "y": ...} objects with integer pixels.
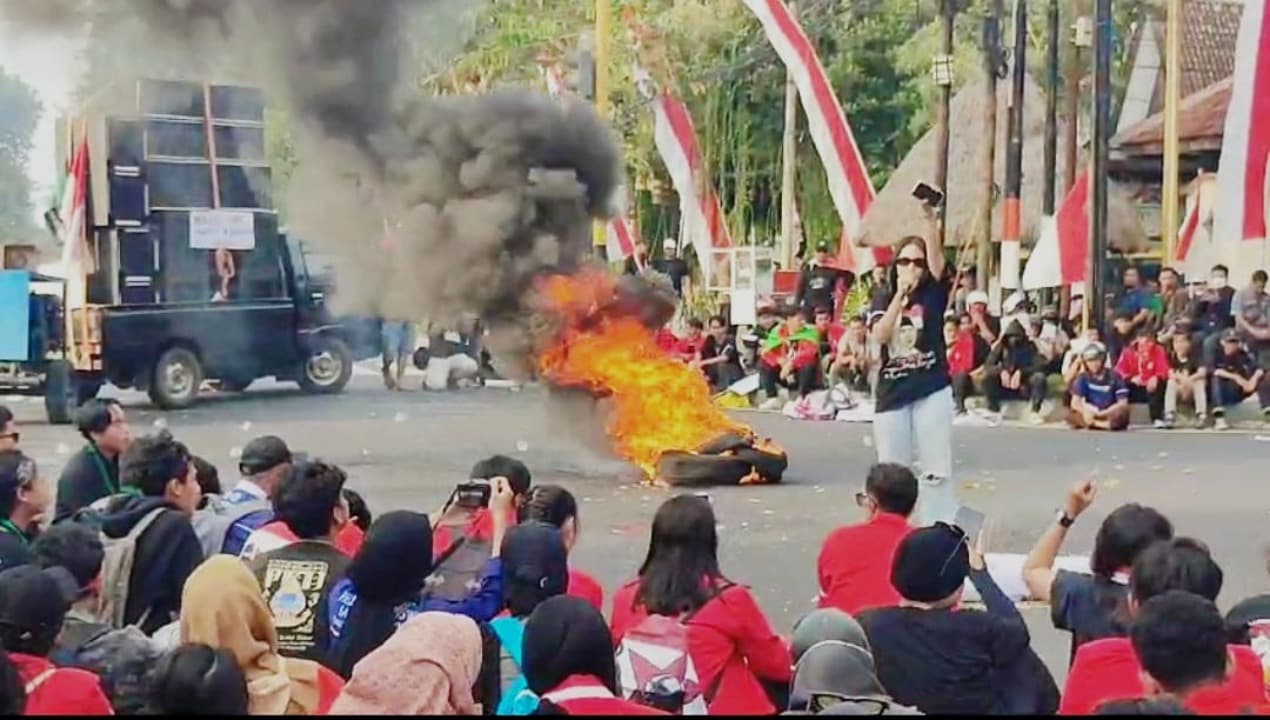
[
  {"x": 687, "y": 469},
  {"x": 730, "y": 459}
]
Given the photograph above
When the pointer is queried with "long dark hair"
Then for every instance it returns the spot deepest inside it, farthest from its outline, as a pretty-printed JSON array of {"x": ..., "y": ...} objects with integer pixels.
[
  {"x": 681, "y": 571},
  {"x": 390, "y": 569}
]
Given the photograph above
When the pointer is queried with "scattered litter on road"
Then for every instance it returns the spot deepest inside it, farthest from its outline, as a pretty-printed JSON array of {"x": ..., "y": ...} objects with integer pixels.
[
  {"x": 769, "y": 512},
  {"x": 160, "y": 423},
  {"x": 246, "y": 426},
  {"x": 1118, "y": 468},
  {"x": 1261, "y": 438},
  {"x": 1163, "y": 454},
  {"x": 753, "y": 500},
  {"x": 63, "y": 449},
  {"x": 970, "y": 485},
  {"x": 522, "y": 446},
  {"x": 867, "y": 440},
  {"x": 235, "y": 452},
  {"x": 399, "y": 417},
  {"x": 1111, "y": 483}
]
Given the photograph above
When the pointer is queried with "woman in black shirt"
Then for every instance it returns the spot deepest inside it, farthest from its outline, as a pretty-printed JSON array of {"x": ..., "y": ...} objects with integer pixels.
[{"x": 912, "y": 423}]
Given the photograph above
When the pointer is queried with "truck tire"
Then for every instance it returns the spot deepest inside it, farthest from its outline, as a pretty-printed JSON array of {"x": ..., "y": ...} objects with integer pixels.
[
  {"x": 327, "y": 368},
  {"x": 59, "y": 392},
  {"x": 176, "y": 378}
]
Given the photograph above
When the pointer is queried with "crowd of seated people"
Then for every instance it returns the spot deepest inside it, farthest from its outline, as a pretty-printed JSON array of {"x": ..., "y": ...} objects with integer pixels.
[{"x": 144, "y": 600}]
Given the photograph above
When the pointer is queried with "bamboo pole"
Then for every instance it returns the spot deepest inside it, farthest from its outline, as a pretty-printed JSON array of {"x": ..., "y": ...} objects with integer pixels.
[
  {"x": 1172, "y": 92},
  {"x": 789, "y": 169}
]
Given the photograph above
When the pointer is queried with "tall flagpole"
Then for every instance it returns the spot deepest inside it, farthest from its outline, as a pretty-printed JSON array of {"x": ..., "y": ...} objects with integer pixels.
[
  {"x": 1172, "y": 93},
  {"x": 603, "y": 13},
  {"x": 1012, "y": 232},
  {"x": 1095, "y": 298},
  {"x": 789, "y": 169}
]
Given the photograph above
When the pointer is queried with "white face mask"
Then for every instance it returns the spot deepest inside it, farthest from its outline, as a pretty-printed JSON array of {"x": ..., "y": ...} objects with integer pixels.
[{"x": 1217, "y": 282}]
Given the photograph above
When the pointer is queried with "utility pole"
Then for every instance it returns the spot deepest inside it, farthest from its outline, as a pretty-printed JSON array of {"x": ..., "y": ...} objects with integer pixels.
[
  {"x": 1095, "y": 297},
  {"x": 603, "y": 13},
  {"x": 789, "y": 169},
  {"x": 943, "y": 72},
  {"x": 1012, "y": 233},
  {"x": 1172, "y": 97},
  {"x": 1051, "y": 111},
  {"x": 992, "y": 71}
]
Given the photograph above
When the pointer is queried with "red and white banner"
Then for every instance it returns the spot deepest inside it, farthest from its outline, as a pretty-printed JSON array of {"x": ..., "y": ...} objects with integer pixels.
[
  {"x": 621, "y": 233},
  {"x": 1243, "y": 197},
  {"x": 849, "y": 183},
  {"x": 701, "y": 215},
  {"x": 1061, "y": 254}
]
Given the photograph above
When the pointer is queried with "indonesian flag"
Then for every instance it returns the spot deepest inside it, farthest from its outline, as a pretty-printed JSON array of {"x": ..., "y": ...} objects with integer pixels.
[
  {"x": 1186, "y": 233},
  {"x": 77, "y": 261},
  {"x": 1061, "y": 254},
  {"x": 701, "y": 215},
  {"x": 849, "y": 183},
  {"x": 620, "y": 233},
  {"x": 1243, "y": 197}
]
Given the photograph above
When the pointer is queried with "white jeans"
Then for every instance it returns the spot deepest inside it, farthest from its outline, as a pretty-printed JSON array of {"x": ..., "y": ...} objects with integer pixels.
[{"x": 919, "y": 435}]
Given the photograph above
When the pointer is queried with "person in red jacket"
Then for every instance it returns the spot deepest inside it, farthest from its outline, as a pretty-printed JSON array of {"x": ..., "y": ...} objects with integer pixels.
[
  {"x": 855, "y": 562},
  {"x": 1109, "y": 669},
  {"x": 33, "y": 606},
  {"x": 730, "y": 642},
  {"x": 1145, "y": 367},
  {"x": 568, "y": 661},
  {"x": 556, "y": 506},
  {"x": 790, "y": 358},
  {"x": 1181, "y": 640}
]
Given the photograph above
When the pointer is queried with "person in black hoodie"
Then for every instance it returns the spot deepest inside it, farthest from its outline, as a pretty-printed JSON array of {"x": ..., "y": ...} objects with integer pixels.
[
  {"x": 157, "y": 474},
  {"x": 93, "y": 472},
  {"x": 819, "y": 280},
  {"x": 1014, "y": 370}
]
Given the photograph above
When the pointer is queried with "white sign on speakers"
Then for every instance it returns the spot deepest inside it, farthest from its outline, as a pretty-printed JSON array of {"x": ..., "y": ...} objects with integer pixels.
[{"x": 222, "y": 230}]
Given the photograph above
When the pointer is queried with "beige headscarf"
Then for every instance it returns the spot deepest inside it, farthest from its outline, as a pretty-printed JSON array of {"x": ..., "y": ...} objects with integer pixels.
[
  {"x": 427, "y": 667},
  {"x": 222, "y": 606}
]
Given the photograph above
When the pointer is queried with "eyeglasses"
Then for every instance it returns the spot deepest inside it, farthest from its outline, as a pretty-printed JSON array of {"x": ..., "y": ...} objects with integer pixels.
[{"x": 905, "y": 262}]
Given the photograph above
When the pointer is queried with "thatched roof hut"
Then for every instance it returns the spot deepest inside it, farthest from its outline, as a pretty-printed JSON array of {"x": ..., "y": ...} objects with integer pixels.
[{"x": 895, "y": 213}]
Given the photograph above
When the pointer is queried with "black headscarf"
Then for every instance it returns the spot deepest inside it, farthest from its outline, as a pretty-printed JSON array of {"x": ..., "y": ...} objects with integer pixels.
[
  {"x": 567, "y": 636},
  {"x": 390, "y": 569}
]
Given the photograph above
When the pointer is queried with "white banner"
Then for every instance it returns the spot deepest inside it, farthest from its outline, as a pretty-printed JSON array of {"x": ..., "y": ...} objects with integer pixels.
[{"x": 222, "y": 230}]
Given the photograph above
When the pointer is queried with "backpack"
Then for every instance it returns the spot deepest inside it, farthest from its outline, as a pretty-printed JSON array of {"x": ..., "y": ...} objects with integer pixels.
[
  {"x": 516, "y": 697},
  {"x": 655, "y": 669},
  {"x": 117, "y": 561},
  {"x": 459, "y": 567},
  {"x": 122, "y": 659},
  {"x": 215, "y": 521}
]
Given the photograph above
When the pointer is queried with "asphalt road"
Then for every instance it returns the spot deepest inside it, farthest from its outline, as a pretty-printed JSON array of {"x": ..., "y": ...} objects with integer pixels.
[{"x": 407, "y": 449}]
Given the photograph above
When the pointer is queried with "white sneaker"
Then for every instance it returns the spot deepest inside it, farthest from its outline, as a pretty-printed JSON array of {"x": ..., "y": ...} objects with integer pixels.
[
  {"x": 1168, "y": 422},
  {"x": 1221, "y": 424},
  {"x": 773, "y": 403},
  {"x": 1159, "y": 424},
  {"x": 1036, "y": 418}
]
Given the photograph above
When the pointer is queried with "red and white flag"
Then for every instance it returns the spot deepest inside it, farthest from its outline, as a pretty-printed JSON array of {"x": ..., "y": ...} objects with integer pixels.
[
  {"x": 1186, "y": 233},
  {"x": 849, "y": 183},
  {"x": 1061, "y": 254},
  {"x": 621, "y": 233},
  {"x": 1243, "y": 197},
  {"x": 77, "y": 260},
  {"x": 701, "y": 214}
]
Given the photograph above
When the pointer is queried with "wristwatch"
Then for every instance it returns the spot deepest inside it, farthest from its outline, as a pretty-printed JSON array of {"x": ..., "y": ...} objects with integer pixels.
[{"x": 1064, "y": 520}]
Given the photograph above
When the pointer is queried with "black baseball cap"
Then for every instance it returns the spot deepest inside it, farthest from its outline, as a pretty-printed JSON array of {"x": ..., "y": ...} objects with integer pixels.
[
  {"x": 931, "y": 563},
  {"x": 34, "y": 600},
  {"x": 534, "y": 556},
  {"x": 263, "y": 453}
]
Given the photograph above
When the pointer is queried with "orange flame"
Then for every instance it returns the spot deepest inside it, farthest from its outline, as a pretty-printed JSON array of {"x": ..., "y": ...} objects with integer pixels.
[{"x": 659, "y": 402}]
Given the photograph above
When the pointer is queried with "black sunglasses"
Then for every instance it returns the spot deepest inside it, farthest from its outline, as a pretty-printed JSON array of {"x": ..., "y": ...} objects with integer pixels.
[{"x": 905, "y": 262}]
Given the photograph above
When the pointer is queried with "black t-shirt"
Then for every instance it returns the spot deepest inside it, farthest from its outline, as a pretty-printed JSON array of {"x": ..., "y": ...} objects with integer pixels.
[
  {"x": 943, "y": 661},
  {"x": 915, "y": 362},
  {"x": 296, "y": 580},
  {"x": 817, "y": 284},
  {"x": 1212, "y": 309},
  {"x": 676, "y": 269},
  {"x": 1241, "y": 363},
  {"x": 88, "y": 477},
  {"x": 1087, "y": 606},
  {"x": 1189, "y": 364},
  {"x": 712, "y": 348}
]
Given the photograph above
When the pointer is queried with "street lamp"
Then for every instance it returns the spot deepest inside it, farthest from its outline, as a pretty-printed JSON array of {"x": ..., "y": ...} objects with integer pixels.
[{"x": 941, "y": 69}]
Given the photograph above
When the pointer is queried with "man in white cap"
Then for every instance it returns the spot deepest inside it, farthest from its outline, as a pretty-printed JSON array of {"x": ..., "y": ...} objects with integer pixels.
[{"x": 985, "y": 327}]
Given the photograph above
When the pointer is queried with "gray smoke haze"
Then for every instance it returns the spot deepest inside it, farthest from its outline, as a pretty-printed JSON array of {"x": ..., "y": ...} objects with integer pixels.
[{"x": 482, "y": 194}]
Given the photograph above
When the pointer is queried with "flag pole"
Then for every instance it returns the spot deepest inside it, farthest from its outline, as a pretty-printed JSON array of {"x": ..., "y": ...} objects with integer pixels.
[
  {"x": 603, "y": 13},
  {"x": 1172, "y": 92},
  {"x": 789, "y": 166},
  {"x": 1012, "y": 233},
  {"x": 1094, "y": 295},
  {"x": 992, "y": 69}
]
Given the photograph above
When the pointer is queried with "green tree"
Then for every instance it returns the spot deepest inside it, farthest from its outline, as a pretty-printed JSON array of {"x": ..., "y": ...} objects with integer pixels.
[{"x": 19, "y": 114}]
